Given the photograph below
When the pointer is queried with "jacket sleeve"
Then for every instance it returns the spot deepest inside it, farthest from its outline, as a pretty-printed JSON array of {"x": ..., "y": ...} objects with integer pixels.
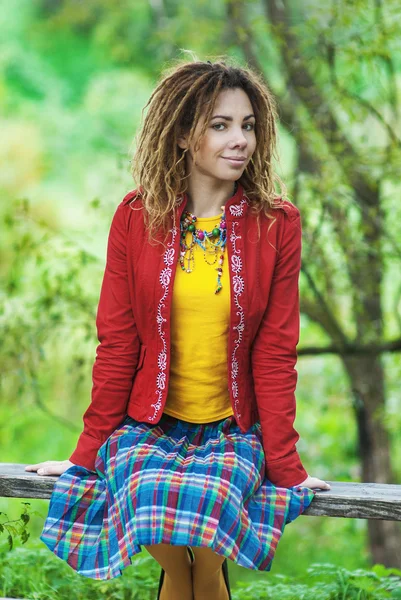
[
  {"x": 117, "y": 353},
  {"x": 274, "y": 358}
]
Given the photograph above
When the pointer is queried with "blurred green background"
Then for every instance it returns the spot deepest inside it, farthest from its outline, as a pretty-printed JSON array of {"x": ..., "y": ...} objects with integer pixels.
[{"x": 74, "y": 79}]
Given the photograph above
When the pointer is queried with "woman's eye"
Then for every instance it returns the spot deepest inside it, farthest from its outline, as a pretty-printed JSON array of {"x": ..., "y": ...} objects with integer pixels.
[{"x": 249, "y": 125}]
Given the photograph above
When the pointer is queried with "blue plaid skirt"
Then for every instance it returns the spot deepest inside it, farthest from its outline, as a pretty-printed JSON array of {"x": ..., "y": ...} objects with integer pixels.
[{"x": 175, "y": 483}]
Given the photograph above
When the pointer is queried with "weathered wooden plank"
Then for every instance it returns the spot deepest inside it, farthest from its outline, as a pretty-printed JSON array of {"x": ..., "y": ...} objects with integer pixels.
[
  {"x": 358, "y": 501},
  {"x": 345, "y": 499},
  {"x": 15, "y": 482}
]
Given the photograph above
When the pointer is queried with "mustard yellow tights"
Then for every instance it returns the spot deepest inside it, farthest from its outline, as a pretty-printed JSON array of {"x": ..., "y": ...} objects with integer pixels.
[{"x": 203, "y": 580}]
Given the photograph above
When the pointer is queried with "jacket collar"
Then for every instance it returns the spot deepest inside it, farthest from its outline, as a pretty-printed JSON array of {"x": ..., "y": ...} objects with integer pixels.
[{"x": 235, "y": 207}]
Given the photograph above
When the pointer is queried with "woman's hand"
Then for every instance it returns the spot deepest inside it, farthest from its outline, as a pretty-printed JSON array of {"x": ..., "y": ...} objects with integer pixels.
[
  {"x": 314, "y": 482},
  {"x": 50, "y": 467}
]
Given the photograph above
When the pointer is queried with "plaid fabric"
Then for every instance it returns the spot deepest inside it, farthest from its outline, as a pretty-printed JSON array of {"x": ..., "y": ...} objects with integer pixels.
[{"x": 174, "y": 483}]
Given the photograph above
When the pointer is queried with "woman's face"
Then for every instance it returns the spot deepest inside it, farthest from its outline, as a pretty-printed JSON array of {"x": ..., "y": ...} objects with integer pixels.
[{"x": 229, "y": 140}]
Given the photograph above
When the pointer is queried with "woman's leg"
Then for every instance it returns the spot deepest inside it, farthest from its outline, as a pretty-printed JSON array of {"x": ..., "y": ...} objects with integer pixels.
[
  {"x": 207, "y": 575},
  {"x": 177, "y": 566}
]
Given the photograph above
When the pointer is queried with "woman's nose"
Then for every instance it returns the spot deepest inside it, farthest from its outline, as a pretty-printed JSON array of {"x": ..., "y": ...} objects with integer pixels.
[{"x": 240, "y": 140}]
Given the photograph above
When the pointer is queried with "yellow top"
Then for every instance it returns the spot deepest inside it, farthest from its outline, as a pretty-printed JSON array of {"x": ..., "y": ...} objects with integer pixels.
[{"x": 198, "y": 384}]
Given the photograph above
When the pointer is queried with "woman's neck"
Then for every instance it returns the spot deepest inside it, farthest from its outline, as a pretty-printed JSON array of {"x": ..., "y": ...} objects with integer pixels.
[{"x": 207, "y": 202}]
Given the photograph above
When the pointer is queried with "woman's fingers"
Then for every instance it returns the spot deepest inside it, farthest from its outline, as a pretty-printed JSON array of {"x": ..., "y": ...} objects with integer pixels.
[
  {"x": 314, "y": 482},
  {"x": 320, "y": 484},
  {"x": 36, "y": 466},
  {"x": 50, "y": 467}
]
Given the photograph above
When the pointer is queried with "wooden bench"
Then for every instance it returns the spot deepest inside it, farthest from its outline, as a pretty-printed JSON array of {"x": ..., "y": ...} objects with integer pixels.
[{"x": 352, "y": 500}]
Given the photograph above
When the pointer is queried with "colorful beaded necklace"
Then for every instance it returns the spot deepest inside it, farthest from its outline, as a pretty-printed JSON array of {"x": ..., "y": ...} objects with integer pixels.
[{"x": 211, "y": 242}]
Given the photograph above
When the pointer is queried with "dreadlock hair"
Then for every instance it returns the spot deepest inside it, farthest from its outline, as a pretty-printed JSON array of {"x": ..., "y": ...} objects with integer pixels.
[{"x": 186, "y": 91}]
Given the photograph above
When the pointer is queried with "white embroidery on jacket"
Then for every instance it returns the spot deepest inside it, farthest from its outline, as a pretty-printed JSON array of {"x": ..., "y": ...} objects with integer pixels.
[
  {"x": 165, "y": 280},
  {"x": 238, "y": 288},
  {"x": 237, "y": 210}
]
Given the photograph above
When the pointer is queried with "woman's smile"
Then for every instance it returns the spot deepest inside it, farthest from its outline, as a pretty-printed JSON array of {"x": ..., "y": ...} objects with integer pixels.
[{"x": 236, "y": 162}]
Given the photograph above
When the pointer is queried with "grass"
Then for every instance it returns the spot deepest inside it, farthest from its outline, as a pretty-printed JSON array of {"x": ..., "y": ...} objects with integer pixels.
[{"x": 35, "y": 573}]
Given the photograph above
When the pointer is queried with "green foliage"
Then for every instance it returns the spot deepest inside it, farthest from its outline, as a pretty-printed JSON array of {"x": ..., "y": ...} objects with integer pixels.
[
  {"x": 36, "y": 574},
  {"x": 327, "y": 582},
  {"x": 16, "y": 528},
  {"x": 48, "y": 290}
]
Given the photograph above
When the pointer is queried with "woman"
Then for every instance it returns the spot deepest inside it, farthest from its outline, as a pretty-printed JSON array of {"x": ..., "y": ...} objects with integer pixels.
[{"x": 188, "y": 447}]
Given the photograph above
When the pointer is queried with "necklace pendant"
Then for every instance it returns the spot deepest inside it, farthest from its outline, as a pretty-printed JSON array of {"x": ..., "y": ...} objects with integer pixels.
[{"x": 213, "y": 244}]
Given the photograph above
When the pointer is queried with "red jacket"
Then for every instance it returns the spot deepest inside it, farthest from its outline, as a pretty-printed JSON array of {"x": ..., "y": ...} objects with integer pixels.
[{"x": 131, "y": 369}]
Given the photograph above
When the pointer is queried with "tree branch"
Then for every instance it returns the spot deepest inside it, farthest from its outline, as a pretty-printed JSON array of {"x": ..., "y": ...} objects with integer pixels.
[
  {"x": 352, "y": 349},
  {"x": 306, "y": 89}
]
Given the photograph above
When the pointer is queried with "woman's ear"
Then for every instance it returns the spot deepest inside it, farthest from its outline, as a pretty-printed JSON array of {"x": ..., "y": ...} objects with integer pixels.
[{"x": 182, "y": 141}]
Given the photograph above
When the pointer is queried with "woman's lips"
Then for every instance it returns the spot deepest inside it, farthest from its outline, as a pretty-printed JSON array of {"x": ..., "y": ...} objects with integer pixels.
[{"x": 236, "y": 162}]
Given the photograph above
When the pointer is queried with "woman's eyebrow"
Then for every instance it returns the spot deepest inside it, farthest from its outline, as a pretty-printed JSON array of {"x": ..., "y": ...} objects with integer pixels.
[{"x": 230, "y": 118}]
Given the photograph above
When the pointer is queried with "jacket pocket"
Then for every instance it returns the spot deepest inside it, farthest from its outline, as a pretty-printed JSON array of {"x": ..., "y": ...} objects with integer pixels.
[{"x": 142, "y": 353}]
